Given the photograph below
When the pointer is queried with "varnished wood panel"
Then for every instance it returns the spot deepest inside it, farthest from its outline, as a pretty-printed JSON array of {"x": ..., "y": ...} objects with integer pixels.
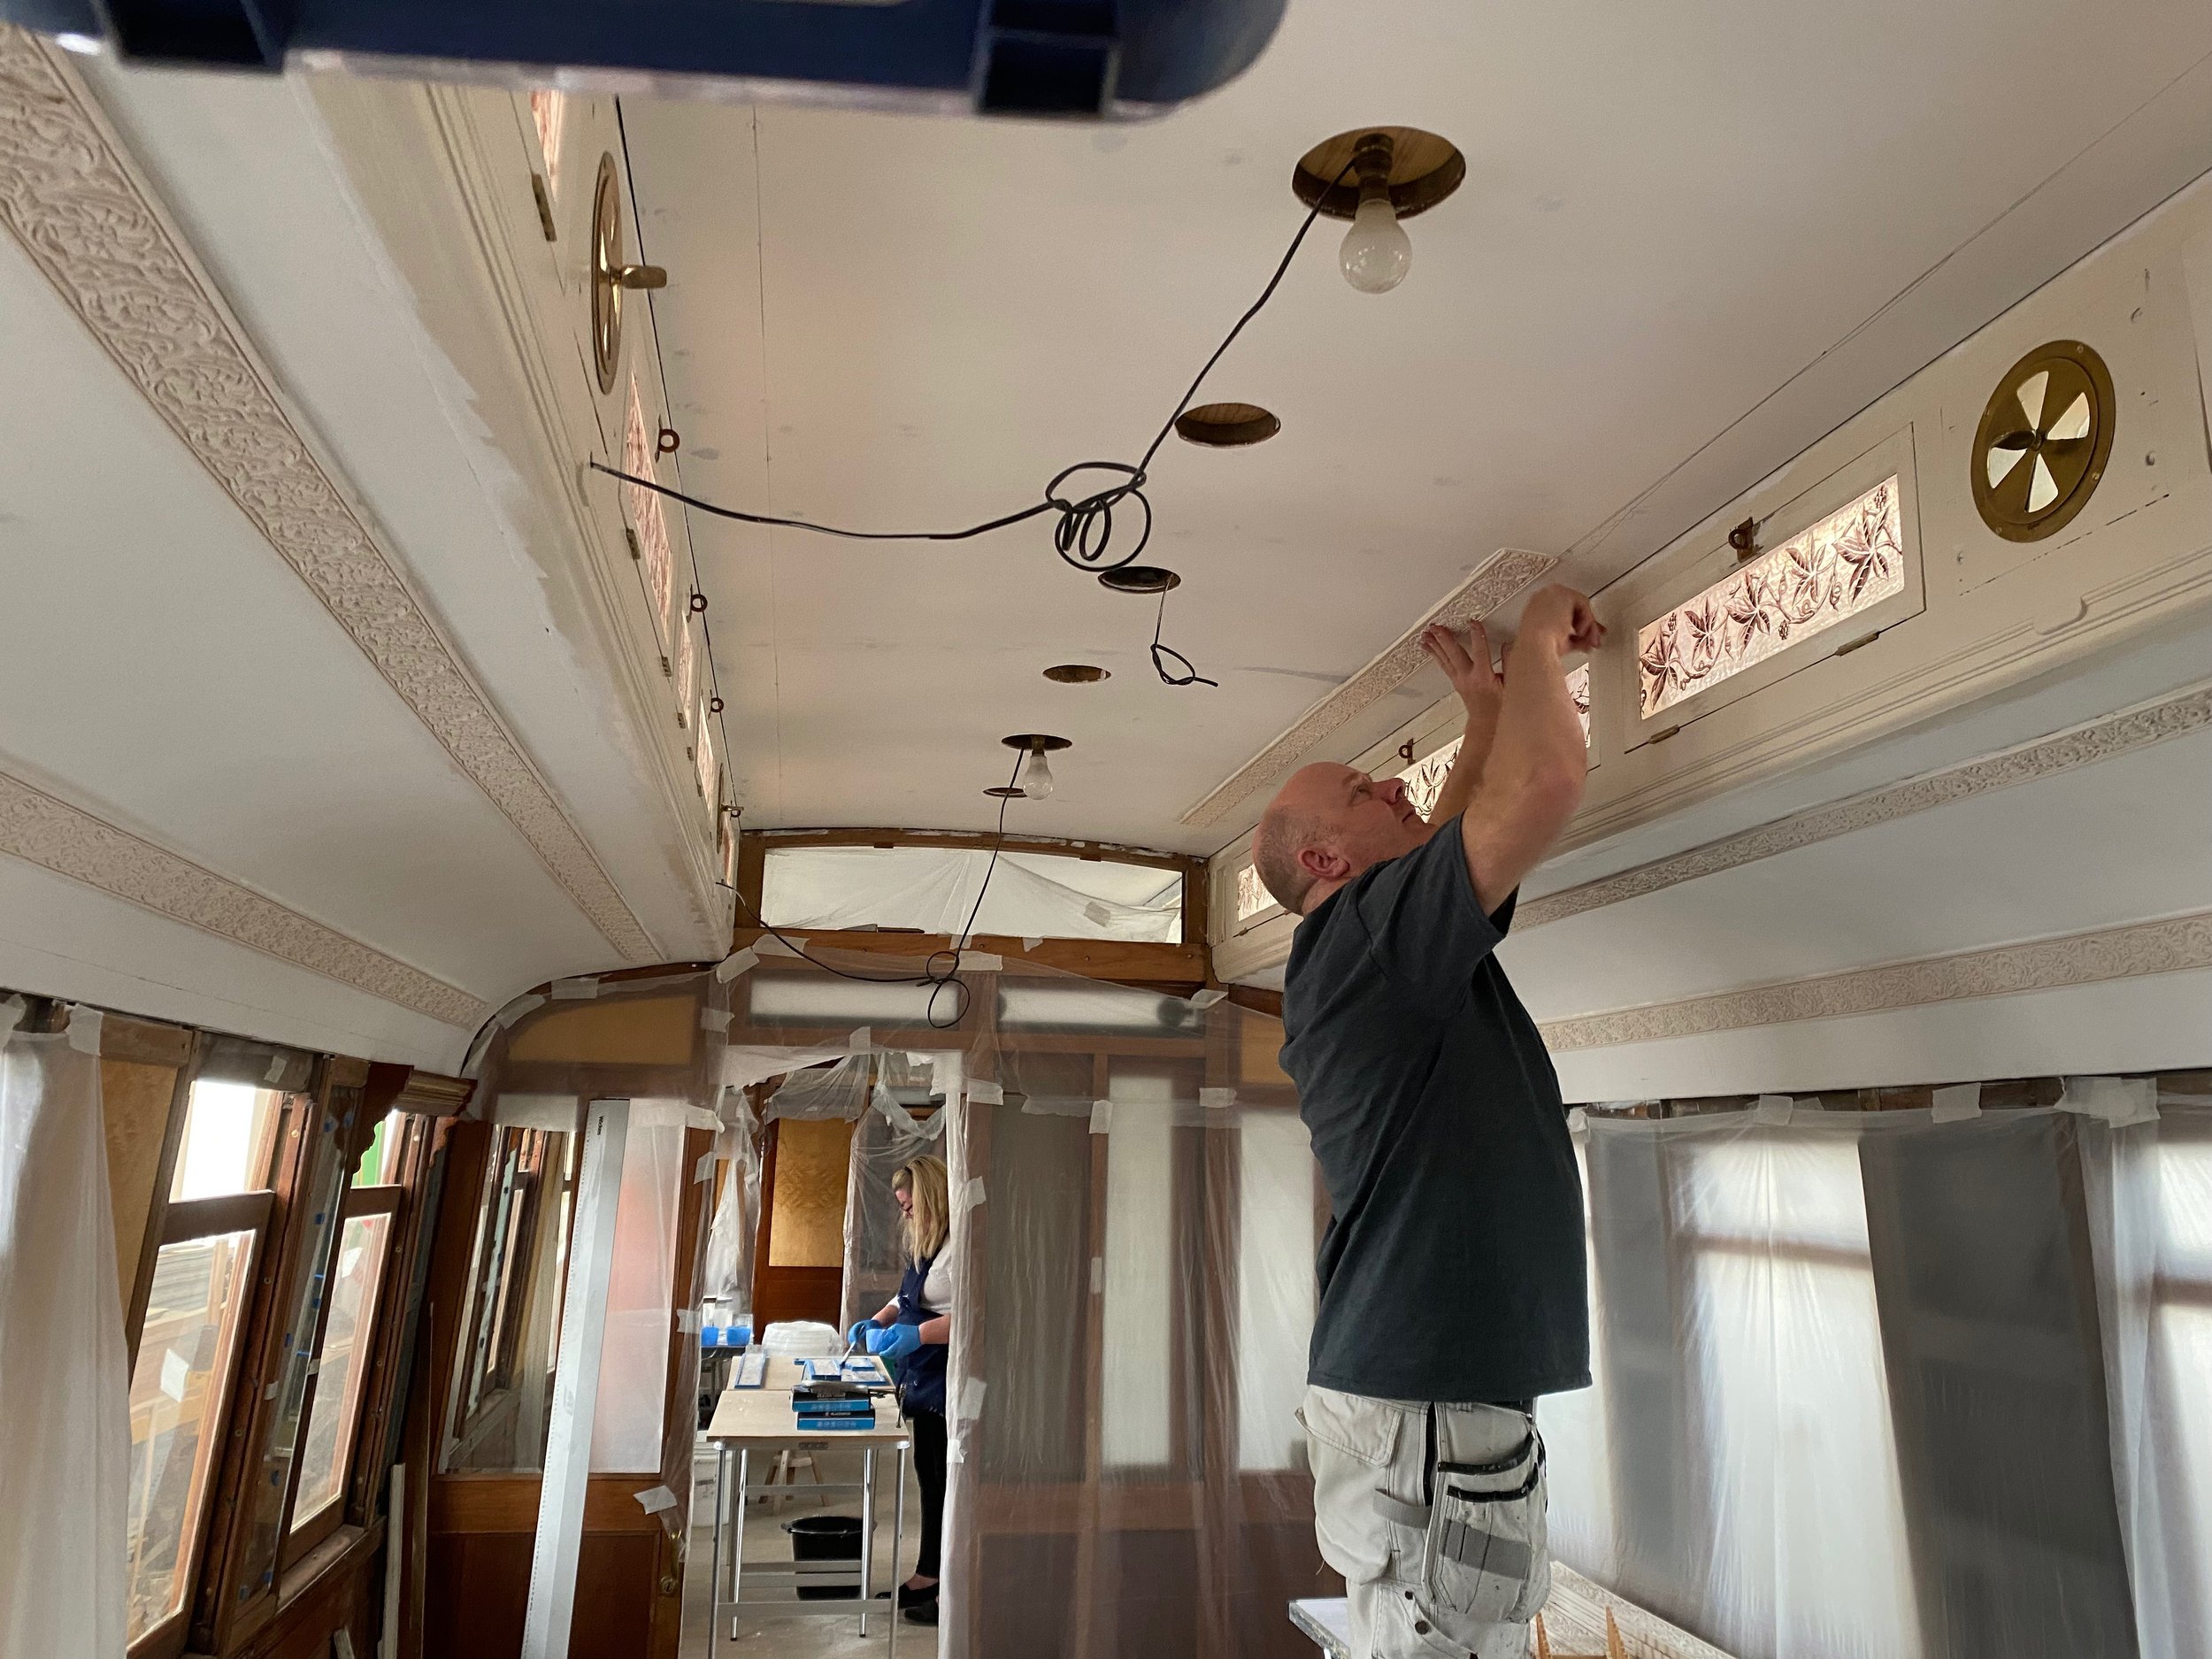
[
  {"x": 480, "y": 1587},
  {"x": 134, "y": 1102}
]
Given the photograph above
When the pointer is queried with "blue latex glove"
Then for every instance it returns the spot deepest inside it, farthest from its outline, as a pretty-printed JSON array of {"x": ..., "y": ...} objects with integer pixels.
[
  {"x": 895, "y": 1343},
  {"x": 857, "y": 1337}
]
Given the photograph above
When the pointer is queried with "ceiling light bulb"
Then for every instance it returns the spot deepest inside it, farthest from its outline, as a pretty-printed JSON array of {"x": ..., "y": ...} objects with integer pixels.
[
  {"x": 1037, "y": 775},
  {"x": 1376, "y": 252}
]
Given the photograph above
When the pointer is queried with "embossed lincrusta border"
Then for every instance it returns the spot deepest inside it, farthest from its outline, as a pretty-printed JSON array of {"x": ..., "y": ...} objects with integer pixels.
[
  {"x": 2174, "y": 946},
  {"x": 1497, "y": 580},
  {"x": 2102, "y": 739},
  {"x": 81, "y": 213},
  {"x": 40, "y": 829}
]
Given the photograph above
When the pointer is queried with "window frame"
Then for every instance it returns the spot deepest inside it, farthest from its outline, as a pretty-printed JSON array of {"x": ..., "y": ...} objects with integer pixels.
[
  {"x": 185, "y": 1220},
  {"x": 302, "y": 1537},
  {"x": 1675, "y": 580},
  {"x": 464, "y": 1417}
]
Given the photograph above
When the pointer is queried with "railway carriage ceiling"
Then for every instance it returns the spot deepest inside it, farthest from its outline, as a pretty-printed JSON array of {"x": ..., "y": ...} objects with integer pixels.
[{"x": 880, "y": 321}]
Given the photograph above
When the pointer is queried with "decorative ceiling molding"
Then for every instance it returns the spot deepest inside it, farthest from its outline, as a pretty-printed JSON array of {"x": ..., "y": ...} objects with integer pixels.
[
  {"x": 80, "y": 211},
  {"x": 39, "y": 828},
  {"x": 2084, "y": 745},
  {"x": 2173, "y": 946},
  {"x": 1496, "y": 579}
]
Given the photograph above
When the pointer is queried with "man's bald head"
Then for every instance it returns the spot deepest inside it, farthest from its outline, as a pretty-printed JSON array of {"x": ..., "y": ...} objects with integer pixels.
[{"x": 1324, "y": 826}]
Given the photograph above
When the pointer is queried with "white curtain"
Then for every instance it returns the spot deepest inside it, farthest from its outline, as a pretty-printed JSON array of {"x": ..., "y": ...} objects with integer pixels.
[
  {"x": 2149, "y": 1188},
  {"x": 64, "y": 1430}
]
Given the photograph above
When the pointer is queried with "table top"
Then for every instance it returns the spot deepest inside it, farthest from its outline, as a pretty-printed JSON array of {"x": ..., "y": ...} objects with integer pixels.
[{"x": 762, "y": 1417}]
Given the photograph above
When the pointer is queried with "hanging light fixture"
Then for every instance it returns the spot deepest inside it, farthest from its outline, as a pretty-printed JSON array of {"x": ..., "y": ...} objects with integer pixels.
[
  {"x": 1377, "y": 177},
  {"x": 1036, "y": 781}
]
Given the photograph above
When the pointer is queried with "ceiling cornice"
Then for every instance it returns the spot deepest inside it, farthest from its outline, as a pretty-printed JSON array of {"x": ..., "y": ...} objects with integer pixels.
[
  {"x": 2176, "y": 945},
  {"x": 1501, "y": 576},
  {"x": 82, "y": 214},
  {"x": 43, "y": 830},
  {"x": 2084, "y": 745}
]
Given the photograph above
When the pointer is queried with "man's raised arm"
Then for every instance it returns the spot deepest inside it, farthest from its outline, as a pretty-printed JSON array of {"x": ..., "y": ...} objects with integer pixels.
[
  {"x": 1467, "y": 665},
  {"x": 1531, "y": 780}
]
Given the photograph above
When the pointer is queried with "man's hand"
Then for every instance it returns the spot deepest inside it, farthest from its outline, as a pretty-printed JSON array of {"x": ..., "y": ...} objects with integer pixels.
[
  {"x": 1561, "y": 619},
  {"x": 1468, "y": 669}
]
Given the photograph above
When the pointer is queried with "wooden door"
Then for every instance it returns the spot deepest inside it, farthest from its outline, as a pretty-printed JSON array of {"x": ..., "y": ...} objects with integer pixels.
[{"x": 800, "y": 1254}]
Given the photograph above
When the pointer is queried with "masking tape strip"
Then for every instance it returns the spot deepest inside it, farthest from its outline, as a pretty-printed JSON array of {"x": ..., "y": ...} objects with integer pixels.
[
  {"x": 984, "y": 1093},
  {"x": 769, "y": 945},
  {"x": 688, "y": 1321},
  {"x": 1102, "y": 1116},
  {"x": 11, "y": 1012},
  {"x": 861, "y": 1041},
  {"x": 1771, "y": 1108},
  {"x": 1216, "y": 1099},
  {"x": 972, "y": 1194},
  {"x": 575, "y": 990},
  {"x": 1578, "y": 1122},
  {"x": 970, "y": 1406},
  {"x": 517, "y": 1009},
  {"x": 982, "y": 962},
  {"x": 84, "y": 1029},
  {"x": 736, "y": 963},
  {"x": 1957, "y": 1103},
  {"x": 704, "y": 1167},
  {"x": 1206, "y": 999},
  {"x": 1030, "y": 941},
  {"x": 715, "y": 1019},
  {"x": 276, "y": 1070},
  {"x": 655, "y": 1499}
]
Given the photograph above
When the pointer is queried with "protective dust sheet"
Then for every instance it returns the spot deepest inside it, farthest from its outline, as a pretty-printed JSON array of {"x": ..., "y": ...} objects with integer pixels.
[
  {"x": 934, "y": 889},
  {"x": 1860, "y": 1391},
  {"x": 66, "y": 1451}
]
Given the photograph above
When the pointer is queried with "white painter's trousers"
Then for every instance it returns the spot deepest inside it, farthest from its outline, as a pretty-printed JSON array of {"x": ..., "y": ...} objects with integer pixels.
[{"x": 1435, "y": 1516}]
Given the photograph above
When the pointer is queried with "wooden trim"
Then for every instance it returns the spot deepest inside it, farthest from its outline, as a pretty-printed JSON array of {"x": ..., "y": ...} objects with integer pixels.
[
  {"x": 1268, "y": 1002},
  {"x": 157, "y": 1212},
  {"x": 1135, "y": 962},
  {"x": 145, "y": 1041},
  {"x": 232, "y": 1213},
  {"x": 1088, "y": 851},
  {"x": 432, "y": 1094},
  {"x": 509, "y": 1503},
  {"x": 371, "y": 1201}
]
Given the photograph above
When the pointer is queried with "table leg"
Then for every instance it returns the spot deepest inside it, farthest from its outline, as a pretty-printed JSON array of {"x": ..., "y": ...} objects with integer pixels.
[
  {"x": 737, "y": 1539},
  {"x": 714, "y": 1560},
  {"x": 898, "y": 1554},
  {"x": 868, "y": 1537}
]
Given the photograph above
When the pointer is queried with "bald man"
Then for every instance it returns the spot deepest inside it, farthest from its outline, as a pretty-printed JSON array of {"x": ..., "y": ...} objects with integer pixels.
[{"x": 1451, "y": 1272}]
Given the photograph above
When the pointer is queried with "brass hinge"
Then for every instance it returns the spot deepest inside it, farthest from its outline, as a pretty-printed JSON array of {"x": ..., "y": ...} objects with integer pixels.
[
  {"x": 1846, "y": 650},
  {"x": 1661, "y": 737},
  {"x": 630, "y": 536},
  {"x": 545, "y": 206}
]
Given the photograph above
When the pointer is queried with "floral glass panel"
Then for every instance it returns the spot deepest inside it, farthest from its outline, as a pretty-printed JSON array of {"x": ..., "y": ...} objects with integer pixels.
[
  {"x": 1848, "y": 562},
  {"x": 1424, "y": 779},
  {"x": 1578, "y": 688},
  {"x": 550, "y": 110},
  {"x": 1252, "y": 893},
  {"x": 648, "y": 523},
  {"x": 709, "y": 773}
]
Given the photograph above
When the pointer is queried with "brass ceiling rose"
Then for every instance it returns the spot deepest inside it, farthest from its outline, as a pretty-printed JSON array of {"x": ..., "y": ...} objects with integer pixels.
[
  {"x": 2043, "y": 441},
  {"x": 1226, "y": 425},
  {"x": 1424, "y": 169},
  {"x": 611, "y": 274}
]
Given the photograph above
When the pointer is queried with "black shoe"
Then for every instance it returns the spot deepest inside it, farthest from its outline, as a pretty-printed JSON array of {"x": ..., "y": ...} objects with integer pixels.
[
  {"x": 926, "y": 1596},
  {"x": 923, "y": 1613}
]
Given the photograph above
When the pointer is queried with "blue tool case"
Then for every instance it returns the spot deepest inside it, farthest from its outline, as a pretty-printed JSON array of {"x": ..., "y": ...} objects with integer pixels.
[{"x": 1094, "y": 59}]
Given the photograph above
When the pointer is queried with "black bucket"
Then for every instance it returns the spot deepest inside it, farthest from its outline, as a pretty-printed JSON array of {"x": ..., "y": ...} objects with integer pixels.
[{"x": 825, "y": 1538}]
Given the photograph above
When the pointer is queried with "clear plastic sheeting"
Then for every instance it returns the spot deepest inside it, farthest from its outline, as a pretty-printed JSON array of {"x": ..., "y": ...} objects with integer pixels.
[
  {"x": 875, "y": 1235},
  {"x": 626, "y": 1429},
  {"x": 933, "y": 890},
  {"x": 839, "y": 1090},
  {"x": 730, "y": 1237},
  {"x": 66, "y": 1451},
  {"x": 1867, "y": 1384}
]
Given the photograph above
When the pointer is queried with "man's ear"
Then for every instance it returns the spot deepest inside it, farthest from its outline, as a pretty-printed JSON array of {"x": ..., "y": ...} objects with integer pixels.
[{"x": 1324, "y": 864}]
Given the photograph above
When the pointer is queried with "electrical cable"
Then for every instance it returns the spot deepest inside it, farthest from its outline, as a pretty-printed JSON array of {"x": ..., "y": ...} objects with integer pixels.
[
  {"x": 938, "y": 979},
  {"x": 1084, "y": 535}
]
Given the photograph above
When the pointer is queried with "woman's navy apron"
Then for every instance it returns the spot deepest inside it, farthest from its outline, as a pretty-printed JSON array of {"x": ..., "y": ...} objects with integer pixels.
[{"x": 921, "y": 1373}]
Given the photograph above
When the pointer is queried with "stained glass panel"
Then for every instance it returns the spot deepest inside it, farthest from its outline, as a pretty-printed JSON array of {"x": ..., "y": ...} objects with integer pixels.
[
  {"x": 648, "y": 523},
  {"x": 1252, "y": 893},
  {"x": 1847, "y": 562},
  {"x": 549, "y": 111}
]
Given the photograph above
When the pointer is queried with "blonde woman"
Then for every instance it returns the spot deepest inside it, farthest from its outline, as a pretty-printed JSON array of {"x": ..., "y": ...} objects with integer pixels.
[{"x": 911, "y": 1333}]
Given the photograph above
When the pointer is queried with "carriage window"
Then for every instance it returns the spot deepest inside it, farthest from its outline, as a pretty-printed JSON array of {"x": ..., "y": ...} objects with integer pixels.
[
  {"x": 365, "y": 1242},
  {"x": 1252, "y": 893},
  {"x": 179, "y": 1391},
  {"x": 934, "y": 889},
  {"x": 229, "y": 1137},
  {"x": 1844, "y": 565}
]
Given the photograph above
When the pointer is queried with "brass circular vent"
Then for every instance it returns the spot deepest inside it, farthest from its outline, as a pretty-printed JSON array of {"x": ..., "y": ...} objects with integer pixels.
[
  {"x": 1424, "y": 169},
  {"x": 1226, "y": 425},
  {"x": 2043, "y": 441},
  {"x": 1139, "y": 579},
  {"x": 611, "y": 274},
  {"x": 1077, "y": 673}
]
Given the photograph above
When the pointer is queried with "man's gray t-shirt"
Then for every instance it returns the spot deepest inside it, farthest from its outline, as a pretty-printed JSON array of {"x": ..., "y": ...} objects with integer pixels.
[{"x": 1452, "y": 1268}]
